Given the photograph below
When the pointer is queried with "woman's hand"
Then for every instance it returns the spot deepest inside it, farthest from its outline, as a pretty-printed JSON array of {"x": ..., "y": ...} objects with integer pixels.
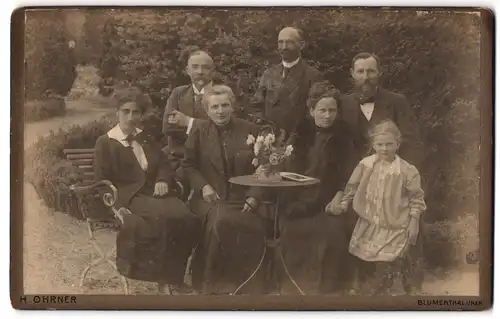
[
  {"x": 413, "y": 229},
  {"x": 335, "y": 206},
  {"x": 209, "y": 194},
  {"x": 161, "y": 189},
  {"x": 250, "y": 204}
]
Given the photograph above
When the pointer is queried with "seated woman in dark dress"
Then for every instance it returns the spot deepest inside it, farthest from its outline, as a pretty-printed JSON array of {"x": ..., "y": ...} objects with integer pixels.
[
  {"x": 313, "y": 236},
  {"x": 158, "y": 236},
  {"x": 233, "y": 232}
]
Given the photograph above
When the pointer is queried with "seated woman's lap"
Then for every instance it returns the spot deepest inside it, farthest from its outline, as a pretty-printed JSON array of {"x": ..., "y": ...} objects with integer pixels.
[{"x": 155, "y": 215}]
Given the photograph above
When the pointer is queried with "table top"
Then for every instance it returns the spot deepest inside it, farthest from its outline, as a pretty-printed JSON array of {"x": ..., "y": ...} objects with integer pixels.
[{"x": 251, "y": 180}]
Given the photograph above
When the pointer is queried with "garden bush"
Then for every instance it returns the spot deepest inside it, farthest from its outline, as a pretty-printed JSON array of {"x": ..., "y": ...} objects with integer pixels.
[
  {"x": 50, "y": 62},
  {"x": 48, "y": 170}
]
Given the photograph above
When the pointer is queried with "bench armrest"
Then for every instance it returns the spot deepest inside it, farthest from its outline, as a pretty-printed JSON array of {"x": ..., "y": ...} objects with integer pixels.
[{"x": 108, "y": 198}]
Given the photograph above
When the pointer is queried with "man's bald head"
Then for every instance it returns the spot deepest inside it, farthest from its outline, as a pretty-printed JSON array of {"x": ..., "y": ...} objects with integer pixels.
[
  {"x": 290, "y": 43},
  {"x": 291, "y": 32}
]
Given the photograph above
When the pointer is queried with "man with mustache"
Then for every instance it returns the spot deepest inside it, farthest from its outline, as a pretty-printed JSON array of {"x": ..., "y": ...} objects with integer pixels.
[
  {"x": 184, "y": 108},
  {"x": 369, "y": 103},
  {"x": 282, "y": 92}
]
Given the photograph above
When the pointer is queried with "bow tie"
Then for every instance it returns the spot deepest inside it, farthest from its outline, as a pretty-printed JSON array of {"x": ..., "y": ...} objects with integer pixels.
[
  {"x": 130, "y": 138},
  {"x": 363, "y": 100}
]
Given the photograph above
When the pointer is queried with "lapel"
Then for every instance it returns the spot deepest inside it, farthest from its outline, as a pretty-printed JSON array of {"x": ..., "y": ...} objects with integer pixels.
[
  {"x": 351, "y": 109},
  {"x": 214, "y": 146},
  {"x": 379, "y": 108},
  {"x": 186, "y": 102},
  {"x": 291, "y": 81}
]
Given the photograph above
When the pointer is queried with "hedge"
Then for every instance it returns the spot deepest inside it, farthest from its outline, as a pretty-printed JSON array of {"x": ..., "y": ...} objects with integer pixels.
[
  {"x": 50, "y": 173},
  {"x": 433, "y": 58}
]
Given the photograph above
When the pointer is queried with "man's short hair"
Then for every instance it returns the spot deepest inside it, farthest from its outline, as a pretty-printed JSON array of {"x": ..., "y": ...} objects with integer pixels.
[
  {"x": 218, "y": 89},
  {"x": 190, "y": 51},
  {"x": 365, "y": 55}
]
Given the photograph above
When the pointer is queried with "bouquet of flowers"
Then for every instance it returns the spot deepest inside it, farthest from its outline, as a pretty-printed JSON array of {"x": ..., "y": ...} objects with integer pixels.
[{"x": 269, "y": 154}]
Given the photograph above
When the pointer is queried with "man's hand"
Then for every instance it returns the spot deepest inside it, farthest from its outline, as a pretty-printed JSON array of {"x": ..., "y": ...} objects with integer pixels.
[
  {"x": 161, "y": 189},
  {"x": 250, "y": 204},
  {"x": 178, "y": 118},
  {"x": 209, "y": 194}
]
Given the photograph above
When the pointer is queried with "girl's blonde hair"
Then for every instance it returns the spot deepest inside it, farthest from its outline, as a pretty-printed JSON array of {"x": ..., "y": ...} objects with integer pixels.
[{"x": 385, "y": 127}]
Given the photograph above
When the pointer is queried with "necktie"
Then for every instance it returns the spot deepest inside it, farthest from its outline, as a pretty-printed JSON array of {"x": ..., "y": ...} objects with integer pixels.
[
  {"x": 286, "y": 71},
  {"x": 197, "y": 98},
  {"x": 130, "y": 138},
  {"x": 138, "y": 151},
  {"x": 369, "y": 99}
]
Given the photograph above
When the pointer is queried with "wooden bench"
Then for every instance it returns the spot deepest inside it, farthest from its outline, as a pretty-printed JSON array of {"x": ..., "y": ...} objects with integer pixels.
[{"x": 96, "y": 201}]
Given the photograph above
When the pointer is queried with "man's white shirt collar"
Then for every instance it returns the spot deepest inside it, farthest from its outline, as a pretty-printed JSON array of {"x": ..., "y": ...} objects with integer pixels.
[
  {"x": 202, "y": 91},
  {"x": 290, "y": 64}
]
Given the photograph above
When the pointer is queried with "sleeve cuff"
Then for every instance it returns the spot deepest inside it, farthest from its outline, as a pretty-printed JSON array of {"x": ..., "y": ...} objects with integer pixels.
[
  {"x": 190, "y": 125},
  {"x": 415, "y": 214}
]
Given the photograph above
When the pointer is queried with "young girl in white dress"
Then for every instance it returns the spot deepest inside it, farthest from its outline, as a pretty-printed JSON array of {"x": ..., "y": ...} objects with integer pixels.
[{"x": 386, "y": 194}]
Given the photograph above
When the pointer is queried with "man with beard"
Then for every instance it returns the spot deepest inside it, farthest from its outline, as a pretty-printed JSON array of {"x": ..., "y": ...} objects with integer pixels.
[
  {"x": 184, "y": 106},
  {"x": 282, "y": 92},
  {"x": 370, "y": 103},
  {"x": 367, "y": 106}
]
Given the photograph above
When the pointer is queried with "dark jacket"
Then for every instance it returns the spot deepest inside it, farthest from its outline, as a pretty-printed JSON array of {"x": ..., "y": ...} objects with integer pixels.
[
  {"x": 388, "y": 105},
  {"x": 118, "y": 164},
  {"x": 325, "y": 154},
  {"x": 283, "y": 100},
  {"x": 208, "y": 161},
  {"x": 182, "y": 99}
]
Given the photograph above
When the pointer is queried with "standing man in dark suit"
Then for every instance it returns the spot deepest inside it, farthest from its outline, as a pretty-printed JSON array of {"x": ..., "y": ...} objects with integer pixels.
[
  {"x": 370, "y": 103},
  {"x": 365, "y": 107},
  {"x": 184, "y": 104},
  {"x": 283, "y": 88}
]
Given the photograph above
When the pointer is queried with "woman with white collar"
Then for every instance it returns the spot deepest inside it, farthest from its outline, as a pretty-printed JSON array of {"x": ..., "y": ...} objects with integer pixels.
[{"x": 158, "y": 236}]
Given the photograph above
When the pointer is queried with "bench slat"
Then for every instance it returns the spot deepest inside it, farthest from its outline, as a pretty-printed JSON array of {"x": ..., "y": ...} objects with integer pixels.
[
  {"x": 79, "y": 156},
  {"x": 78, "y": 150},
  {"x": 84, "y": 161},
  {"x": 86, "y": 167}
]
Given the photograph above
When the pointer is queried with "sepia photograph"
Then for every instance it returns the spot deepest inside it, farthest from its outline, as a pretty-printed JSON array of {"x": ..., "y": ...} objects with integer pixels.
[{"x": 340, "y": 157}]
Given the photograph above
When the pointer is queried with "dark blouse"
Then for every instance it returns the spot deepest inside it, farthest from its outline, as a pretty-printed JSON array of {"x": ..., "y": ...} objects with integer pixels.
[{"x": 324, "y": 153}]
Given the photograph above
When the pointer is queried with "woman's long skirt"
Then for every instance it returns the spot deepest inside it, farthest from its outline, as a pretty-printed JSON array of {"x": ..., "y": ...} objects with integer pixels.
[
  {"x": 230, "y": 250},
  {"x": 313, "y": 254},
  {"x": 156, "y": 240}
]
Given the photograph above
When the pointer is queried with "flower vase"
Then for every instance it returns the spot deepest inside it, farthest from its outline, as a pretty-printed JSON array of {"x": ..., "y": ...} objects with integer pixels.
[{"x": 267, "y": 173}]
